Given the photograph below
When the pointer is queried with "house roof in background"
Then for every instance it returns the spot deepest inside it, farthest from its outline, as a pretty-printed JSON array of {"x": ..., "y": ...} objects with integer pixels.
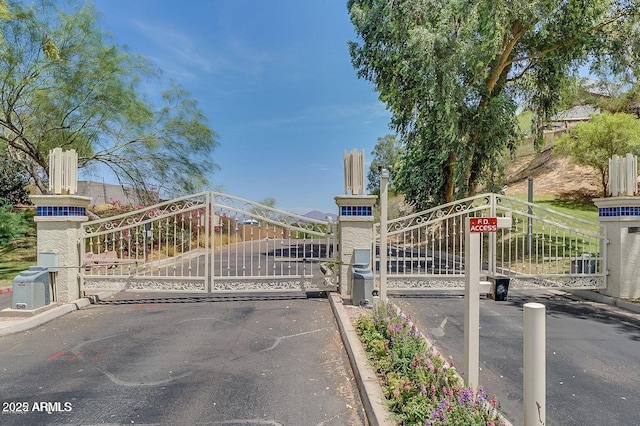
[{"x": 577, "y": 113}]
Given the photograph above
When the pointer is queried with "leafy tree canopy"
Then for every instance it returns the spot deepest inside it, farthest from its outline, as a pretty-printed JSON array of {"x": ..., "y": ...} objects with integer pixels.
[
  {"x": 451, "y": 72},
  {"x": 65, "y": 84},
  {"x": 592, "y": 143},
  {"x": 13, "y": 182},
  {"x": 385, "y": 154}
]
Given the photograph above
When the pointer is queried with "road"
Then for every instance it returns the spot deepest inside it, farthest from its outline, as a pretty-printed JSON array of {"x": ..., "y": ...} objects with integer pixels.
[
  {"x": 593, "y": 354},
  {"x": 277, "y": 362}
]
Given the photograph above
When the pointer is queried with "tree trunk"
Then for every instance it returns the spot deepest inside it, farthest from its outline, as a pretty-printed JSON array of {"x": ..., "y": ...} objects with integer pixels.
[{"x": 451, "y": 166}]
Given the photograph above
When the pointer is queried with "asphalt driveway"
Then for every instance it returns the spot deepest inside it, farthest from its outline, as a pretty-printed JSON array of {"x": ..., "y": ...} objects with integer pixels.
[
  {"x": 593, "y": 354},
  {"x": 177, "y": 361}
]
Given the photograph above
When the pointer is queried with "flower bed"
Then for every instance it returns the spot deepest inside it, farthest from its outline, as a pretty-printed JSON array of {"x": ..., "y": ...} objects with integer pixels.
[{"x": 420, "y": 386}]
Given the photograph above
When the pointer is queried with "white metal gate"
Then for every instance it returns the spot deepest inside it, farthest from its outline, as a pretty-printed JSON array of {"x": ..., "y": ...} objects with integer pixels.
[
  {"x": 208, "y": 242},
  {"x": 541, "y": 248}
]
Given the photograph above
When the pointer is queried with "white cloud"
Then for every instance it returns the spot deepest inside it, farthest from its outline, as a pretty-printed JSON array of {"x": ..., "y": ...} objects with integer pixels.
[
  {"x": 180, "y": 48},
  {"x": 364, "y": 113}
]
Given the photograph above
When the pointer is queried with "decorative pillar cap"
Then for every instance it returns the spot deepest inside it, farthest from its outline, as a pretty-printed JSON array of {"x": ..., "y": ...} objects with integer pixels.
[
  {"x": 355, "y": 200},
  {"x": 355, "y": 207},
  {"x": 60, "y": 200},
  {"x": 618, "y": 208},
  {"x": 617, "y": 201},
  {"x": 60, "y": 207}
]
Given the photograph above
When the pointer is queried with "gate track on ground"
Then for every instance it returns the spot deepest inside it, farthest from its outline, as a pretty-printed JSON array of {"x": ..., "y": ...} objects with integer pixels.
[{"x": 208, "y": 298}]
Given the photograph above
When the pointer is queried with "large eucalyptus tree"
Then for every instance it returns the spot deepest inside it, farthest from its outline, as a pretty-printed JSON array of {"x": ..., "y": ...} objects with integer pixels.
[{"x": 453, "y": 73}]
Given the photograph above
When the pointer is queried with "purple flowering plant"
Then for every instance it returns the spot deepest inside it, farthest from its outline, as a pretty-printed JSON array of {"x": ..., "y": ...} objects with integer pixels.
[{"x": 421, "y": 387}]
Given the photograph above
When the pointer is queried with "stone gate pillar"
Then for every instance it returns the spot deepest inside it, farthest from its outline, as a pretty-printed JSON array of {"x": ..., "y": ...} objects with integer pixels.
[
  {"x": 355, "y": 229},
  {"x": 58, "y": 220},
  {"x": 621, "y": 218}
]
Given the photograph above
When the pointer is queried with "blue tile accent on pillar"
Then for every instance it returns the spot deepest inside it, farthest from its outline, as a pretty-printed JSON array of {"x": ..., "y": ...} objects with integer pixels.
[
  {"x": 619, "y": 211},
  {"x": 60, "y": 211},
  {"x": 356, "y": 211}
]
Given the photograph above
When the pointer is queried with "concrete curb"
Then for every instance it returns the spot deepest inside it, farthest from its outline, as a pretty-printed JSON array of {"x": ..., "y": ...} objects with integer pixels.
[
  {"x": 593, "y": 296},
  {"x": 608, "y": 300},
  {"x": 16, "y": 325},
  {"x": 367, "y": 381}
]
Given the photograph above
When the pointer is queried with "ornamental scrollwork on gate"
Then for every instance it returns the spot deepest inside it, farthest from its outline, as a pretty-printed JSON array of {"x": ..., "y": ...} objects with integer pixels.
[
  {"x": 267, "y": 285},
  {"x": 168, "y": 285},
  {"x": 138, "y": 216},
  {"x": 439, "y": 213}
]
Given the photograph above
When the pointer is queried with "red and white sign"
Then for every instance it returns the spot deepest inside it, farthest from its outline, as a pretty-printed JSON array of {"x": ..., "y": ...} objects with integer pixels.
[{"x": 483, "y": 224}]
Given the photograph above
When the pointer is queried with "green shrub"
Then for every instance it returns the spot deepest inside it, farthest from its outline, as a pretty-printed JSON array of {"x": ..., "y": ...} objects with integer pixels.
[
  {"x": 421, "y": 388},
  {"x": 12, "y": 225}
]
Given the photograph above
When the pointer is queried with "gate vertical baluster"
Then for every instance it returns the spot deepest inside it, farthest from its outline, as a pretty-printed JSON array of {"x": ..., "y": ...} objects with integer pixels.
[
  {"x": 454, "y": 244},
  {"x": 510, "y": 236},
  {"x": 440, "y": 243},
  {"x": 384, "y": 217},
  {"x": 199, "y": 217},
  {"x": 209, "y": 231},
  {"x": 175, "y": 249},
  {"x": 244, "y": 247},
  {"x": 492, "y": 252},
  {"x": 255, "y": 247},
  {"x": 137, "y": 247},
  {"x": 167, "y": 223},
  {"x": 537, "y": 260},
  {"x": 224, "y": 248},
  {"x": 446, "y": 238},
  {"x": 282, "y": 246},
  {"x": 189, "y": 247},
  {"x": 544, "y": 240},
  {"x": 422, "y": 254},
  {"x": 432, "y": 230},
  {"x": 460, "y": 241},
  {"x": 159, "y": 249},
  {"x": 290, "y": 247},
  {"x": 270, "y": 269},
  {"x": 260, "y": 238},
  {"x": 236, "y": 232},
  {"x": 516, "y": 232}
]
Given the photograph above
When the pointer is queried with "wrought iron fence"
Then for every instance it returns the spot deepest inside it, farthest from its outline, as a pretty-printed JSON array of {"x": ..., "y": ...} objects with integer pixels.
[
  {"x": 208, "y": 242},
  {"x": 541, "y": 247}
]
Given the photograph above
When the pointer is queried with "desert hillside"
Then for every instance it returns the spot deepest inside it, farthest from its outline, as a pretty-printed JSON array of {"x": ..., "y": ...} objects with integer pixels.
[{"x": 552, "y": 175}]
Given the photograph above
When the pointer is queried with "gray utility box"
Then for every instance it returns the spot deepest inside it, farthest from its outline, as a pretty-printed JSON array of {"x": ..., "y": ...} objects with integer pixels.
[
  {"x": 362, "y": 278},
  {"x": 31, "y": 289}
]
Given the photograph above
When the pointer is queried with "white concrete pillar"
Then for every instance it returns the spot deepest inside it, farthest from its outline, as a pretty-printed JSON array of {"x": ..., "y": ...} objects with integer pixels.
[
  {"x": 355, "y": 222},
  {"x": 621, "y": 219},
  {"x": 59, "y": 219}
]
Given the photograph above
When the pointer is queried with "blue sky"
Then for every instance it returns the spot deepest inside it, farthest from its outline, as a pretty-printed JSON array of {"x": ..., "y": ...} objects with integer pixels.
[{"x": 274, "y": 79}]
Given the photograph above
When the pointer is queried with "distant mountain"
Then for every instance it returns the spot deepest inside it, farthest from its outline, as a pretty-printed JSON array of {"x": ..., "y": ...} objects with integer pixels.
[{"x": 318, "y": 215}]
